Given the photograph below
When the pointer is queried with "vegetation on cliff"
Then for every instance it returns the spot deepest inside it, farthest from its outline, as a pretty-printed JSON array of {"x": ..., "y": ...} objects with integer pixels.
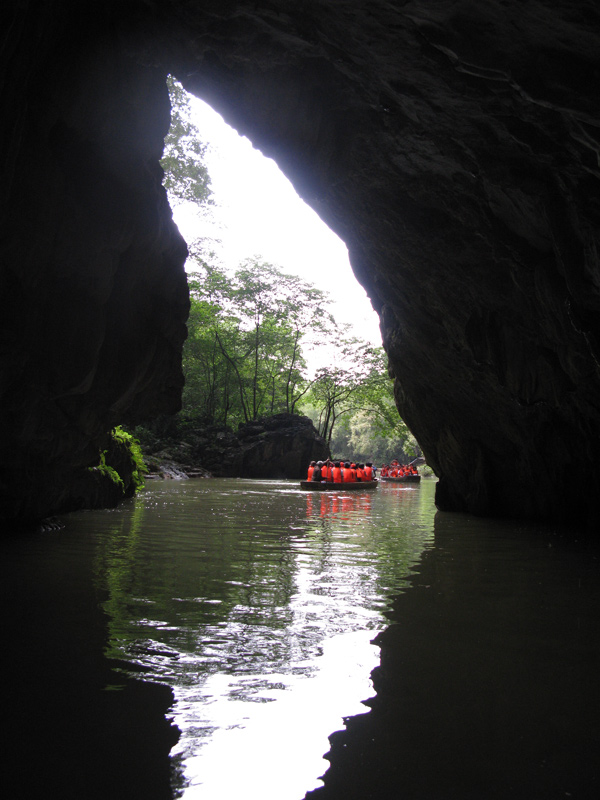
[{"x": 121, "y": 468}]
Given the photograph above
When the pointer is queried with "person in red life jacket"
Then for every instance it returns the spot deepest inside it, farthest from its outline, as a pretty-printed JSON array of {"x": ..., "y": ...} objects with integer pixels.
[
  {"x": 360, "y": 473},
  {"x": 368, "y": 471},
  {"x": 395, "y": 463},
  {"x": 310, "y": 470},
  {"x": 349, "y": 473},
  {"x": 336, "y": 473},
  {"x": 385, "y": 470},
  {"x": 326, "y": 471}
]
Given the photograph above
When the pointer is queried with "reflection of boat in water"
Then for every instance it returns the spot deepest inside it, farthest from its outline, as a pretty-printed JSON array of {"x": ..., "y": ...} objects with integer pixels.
[
  {"x": 318, "y": 486},
  {"x": 401, "y": 479}
]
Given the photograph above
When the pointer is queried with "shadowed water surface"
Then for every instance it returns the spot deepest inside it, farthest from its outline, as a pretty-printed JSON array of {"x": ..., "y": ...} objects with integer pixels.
[
  {"x": 488, "y": 685},
  {"x": 255, "y": 604}
]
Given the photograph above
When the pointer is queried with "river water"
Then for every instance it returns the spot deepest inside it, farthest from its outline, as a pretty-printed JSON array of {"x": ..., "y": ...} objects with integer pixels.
[{"x": 256, "y": 604}]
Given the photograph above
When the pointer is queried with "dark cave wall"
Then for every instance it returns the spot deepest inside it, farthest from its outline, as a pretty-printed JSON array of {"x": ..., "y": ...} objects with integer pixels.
[
  {"x": 454, "y": 147},
  {"x": 93, "y": 287}
]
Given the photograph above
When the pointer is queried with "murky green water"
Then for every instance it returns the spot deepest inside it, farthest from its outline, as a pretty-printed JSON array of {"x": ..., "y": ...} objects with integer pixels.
[{"x": 257, "y": 603}]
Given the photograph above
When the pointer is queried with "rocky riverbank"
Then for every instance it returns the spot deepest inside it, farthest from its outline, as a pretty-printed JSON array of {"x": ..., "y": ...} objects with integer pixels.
[{"x": 279, "y": 446}]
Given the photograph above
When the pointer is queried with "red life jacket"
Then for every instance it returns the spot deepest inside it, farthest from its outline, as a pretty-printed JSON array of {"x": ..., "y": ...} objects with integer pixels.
[
  {"x": 350, "y": 475},
  {"x": 326, "y": 472},
  {"x": 368, "y": 473},
  {"x": 360, "y": 474},
  {"x": 310, "y": 472},
  {"x": 337, "y": 475}
]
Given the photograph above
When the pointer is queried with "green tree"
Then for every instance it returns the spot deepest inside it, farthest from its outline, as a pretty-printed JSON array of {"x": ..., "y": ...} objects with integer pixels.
[
  {"x": 356, "y": 380},
  {"x": 186, "y": 176},
  {"x": 364, "y": 440},
  {"x": 351, "y": 403},
  {"x": 243, "y": 357},
  {"x": 209, "y": 382},
  {"x": 280, "y": 311}
]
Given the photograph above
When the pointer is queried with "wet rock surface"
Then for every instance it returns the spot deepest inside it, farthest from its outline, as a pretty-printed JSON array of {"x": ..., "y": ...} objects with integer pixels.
[
  {"x": 453, "y": 147},
  {"x": 279, "y": 446}
]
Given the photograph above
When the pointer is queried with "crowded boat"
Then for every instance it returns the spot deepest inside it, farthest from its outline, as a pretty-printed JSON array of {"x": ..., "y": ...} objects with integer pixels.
[
  {"x": 341, "y": 472},
  {"x": 399, "y": 473},
  {"x": 354, "y": 475},
  {"x": 397, "y": 470},
  {"x": 334, "y": 474}
]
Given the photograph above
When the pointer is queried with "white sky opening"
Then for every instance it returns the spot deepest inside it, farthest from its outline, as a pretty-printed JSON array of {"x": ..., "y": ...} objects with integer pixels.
[{"x": 257, "y": 212}]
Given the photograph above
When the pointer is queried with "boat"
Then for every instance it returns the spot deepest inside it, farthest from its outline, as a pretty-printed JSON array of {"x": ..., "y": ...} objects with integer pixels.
[
  {"x": 325, "y": 486},
  {"x": 401, "y": 479}
]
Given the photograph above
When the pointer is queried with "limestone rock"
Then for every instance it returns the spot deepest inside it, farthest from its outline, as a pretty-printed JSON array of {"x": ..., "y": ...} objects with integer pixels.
[{"x": 280, "y": 446}]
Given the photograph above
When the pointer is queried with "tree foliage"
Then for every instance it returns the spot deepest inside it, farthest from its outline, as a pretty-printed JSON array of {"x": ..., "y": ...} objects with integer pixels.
[
  {"x": 357, "y": 437},
  {"x": 243, "y": 357},
  {"x": 352, "y": 405},
  {"x": 355, "y": 381},
  {"x": 186, "y": 176}
]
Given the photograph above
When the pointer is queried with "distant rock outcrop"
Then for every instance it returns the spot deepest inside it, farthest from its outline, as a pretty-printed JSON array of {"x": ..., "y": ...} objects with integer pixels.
[{"x": 279, "y": 446}]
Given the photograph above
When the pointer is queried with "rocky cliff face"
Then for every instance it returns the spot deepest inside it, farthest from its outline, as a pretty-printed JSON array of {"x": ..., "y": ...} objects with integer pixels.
[
  {"x": 281, "y": 446},
  {"x": 454, "y": 147}
]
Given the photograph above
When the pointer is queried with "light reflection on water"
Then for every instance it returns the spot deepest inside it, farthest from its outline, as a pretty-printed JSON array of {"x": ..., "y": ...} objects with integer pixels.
[{"x": 257, "y": 603}]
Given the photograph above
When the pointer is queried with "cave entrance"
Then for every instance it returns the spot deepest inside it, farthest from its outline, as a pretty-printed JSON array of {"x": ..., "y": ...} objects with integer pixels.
[
  {"x": 246, "y": 218},
  {"x": 256, "y": 211}
]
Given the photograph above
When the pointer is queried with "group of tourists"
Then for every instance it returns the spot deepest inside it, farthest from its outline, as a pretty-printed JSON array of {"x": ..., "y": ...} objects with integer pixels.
[
  {"x": 397, "y": 470},
  {"x": 341, "y": 472}
]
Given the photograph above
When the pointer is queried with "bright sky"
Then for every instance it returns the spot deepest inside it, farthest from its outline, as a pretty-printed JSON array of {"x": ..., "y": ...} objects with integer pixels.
[{"x": 259, "y": 213}]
